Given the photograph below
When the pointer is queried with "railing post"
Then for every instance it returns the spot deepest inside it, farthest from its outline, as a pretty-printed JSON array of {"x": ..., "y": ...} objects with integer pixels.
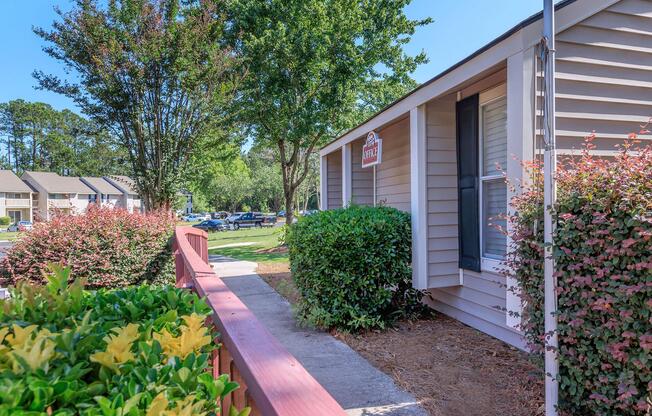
[{"x": 179, "y": 266}]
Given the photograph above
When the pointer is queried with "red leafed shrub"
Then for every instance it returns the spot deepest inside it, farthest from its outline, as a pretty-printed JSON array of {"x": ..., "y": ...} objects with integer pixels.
[
  {"x": 107, "y": 247},
  {"x": 604, "y": 268}
]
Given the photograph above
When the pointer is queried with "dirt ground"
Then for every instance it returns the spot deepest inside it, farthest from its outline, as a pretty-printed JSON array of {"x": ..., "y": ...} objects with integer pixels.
[
  {"x": 452, "y": 369},
  {"x": 278, "y": 276}
]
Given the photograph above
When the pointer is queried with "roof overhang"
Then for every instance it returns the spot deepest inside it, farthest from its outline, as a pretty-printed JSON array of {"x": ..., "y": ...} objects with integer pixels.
[{"x": 522, "y": 37}]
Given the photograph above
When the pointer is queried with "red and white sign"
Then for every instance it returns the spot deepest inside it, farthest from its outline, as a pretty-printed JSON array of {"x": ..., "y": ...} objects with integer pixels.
[{"x": 372, "y": 150}]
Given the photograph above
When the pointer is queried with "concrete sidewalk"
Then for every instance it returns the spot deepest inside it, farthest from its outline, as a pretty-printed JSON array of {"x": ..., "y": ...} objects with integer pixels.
[{"x": 358, "y": 387}]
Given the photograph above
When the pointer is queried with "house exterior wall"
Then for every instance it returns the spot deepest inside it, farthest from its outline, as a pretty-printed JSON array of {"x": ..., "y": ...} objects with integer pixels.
[
  {"x": 39, "y": 199},
  {"x": 334, "y": 180},
  {"x": 134, "y": 204},
  {"x": 441, "y": 194},
  {"x": 112, "y": 201},
  {"x": 604, "y": 77},
  {"x": 79, "y": 203},
  {"x": 9, "y": 203},
  {"x": 604, "y": 84},
  {"x": 393, "y": 174},
  {"x": 362, "y": 179},
  {"x": 476, "y": 298}
]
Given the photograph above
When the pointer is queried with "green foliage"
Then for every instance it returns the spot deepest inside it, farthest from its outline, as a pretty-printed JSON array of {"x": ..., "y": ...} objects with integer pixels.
[
  {"x": 136, "y": 351},
  {"x": 107, "y": 247},
  {"x": 316, "y": 68},
  {"x": 38, "y": 137},
  {"x": 154, "y": 72},
  {"x": 5, "y": 220},
  {"x": 603, "y": 254},
  {"x": 352, "y": 268}
]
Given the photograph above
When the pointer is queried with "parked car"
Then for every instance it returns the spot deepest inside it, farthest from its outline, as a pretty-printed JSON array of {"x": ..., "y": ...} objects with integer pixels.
[
  {"x": 211, "y": 225},
  {"x": 250, "y": 219},
  {"x": 195, "y": 217},
  {"x": 20, "y": 226},
  {"x": 221, "y": 215}
]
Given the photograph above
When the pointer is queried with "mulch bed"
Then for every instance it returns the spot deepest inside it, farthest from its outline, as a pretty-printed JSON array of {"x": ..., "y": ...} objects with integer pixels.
[
  {"x": 278, "y": 276},
  {"x": 451, "y": 369}
]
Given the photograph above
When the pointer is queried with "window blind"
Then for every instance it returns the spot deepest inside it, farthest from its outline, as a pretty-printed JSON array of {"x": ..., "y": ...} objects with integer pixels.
[
  {"x": 494, "y": 136},
  {"x": 494, "y": 207}
]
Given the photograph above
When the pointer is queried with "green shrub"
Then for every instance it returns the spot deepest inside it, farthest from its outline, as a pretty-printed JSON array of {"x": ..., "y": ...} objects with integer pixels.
[
  {"x": 5, "y": 220},
  {"x": 136, "y": 351},
  {"x": 603, "y": 258},
  {"x": 108, "y": 247},
  {"x": 352, "y": 267}
]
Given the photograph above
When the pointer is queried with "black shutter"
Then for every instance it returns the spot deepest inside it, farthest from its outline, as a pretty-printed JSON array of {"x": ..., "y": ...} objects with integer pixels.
[{"x": 467, "y": 183}]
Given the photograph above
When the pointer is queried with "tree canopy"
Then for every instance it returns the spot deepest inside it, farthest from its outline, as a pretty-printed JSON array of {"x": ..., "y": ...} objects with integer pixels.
[
  {"x": 37, "y": 137},
  {"x": 154, "y": 72},
  {"x": 315, "y": 68}
]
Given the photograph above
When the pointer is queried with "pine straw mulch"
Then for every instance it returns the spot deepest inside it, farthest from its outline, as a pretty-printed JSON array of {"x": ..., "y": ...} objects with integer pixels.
[
  {"x": 450, "y": 368},
  {"x": 453, "y": 369}
]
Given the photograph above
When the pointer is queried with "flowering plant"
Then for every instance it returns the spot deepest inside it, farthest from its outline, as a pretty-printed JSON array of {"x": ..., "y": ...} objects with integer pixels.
[
  {"x": 137, "y": 351},
  {"x": 603, "y": 254},
  {"x": 108, "y": 247}
]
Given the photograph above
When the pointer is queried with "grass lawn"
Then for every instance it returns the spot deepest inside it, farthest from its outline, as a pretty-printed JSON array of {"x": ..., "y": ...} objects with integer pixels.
[
  {"x": 252, "y": 244},
  {"x": 6, "y": 236}
]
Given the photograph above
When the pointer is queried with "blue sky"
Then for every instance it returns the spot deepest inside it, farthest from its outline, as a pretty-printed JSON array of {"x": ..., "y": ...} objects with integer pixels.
[{"x": 460, "y": 27}]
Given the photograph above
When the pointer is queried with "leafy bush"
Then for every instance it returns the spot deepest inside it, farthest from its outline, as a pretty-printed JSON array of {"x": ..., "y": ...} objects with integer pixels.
[
  {"x": 106, "y": 247},
  {"x": 5, "y": 220},
  {"x": 604, "y": 269},
  {"x": 137, "y": 351},
  {"x": 352, "y": 267}
]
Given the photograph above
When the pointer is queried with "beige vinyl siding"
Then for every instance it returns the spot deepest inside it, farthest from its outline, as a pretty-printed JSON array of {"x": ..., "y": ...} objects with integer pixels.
[
  {"x": 362, "y": 179},
  {"x": 393, "y": 174},
  {"x": 334, "y": 180},
  {"x": 480, "y": 299},
  {"x": 441, "y": 183},
  {"x": 604, "y": 76}
]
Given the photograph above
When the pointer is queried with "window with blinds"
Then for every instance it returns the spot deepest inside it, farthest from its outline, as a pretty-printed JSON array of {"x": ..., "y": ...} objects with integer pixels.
[{"x": 493, "y": 190}]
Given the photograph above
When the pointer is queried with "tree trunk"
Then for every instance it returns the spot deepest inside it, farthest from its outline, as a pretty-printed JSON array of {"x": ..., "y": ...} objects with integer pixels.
[{"x": 289, "y": 206}]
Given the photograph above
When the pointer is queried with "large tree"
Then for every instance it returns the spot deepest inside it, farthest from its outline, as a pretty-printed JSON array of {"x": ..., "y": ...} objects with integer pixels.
[
  {"x": 153, "y": 71},
  {"x": 38, "y": 137},
  {"x": 315, "y": 68}
]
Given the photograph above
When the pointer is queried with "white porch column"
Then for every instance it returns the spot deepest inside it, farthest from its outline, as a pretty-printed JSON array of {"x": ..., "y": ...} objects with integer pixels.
[
  {"x": 418, "y": 195},
  {"x": 520, "y": 143},
  {"x": 346, "y": 175},
  {"x": 323, "y": 183}
]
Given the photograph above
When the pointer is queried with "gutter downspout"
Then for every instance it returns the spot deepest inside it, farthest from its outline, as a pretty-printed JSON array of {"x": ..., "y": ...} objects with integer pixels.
[{"x": 550, "y": 201}]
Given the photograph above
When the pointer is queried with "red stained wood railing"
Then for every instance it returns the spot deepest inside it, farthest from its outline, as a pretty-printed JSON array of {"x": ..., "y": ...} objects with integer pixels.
[{"x": 272, "y": 381}]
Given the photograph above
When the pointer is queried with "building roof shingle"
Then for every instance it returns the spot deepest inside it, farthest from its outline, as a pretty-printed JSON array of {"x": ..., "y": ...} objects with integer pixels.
[
  {"x": 123, "y": 182},
  {"x": 56, "y": 184},
  {"x": 101, "y": 185},
  {"x": 9, "y": 182}
]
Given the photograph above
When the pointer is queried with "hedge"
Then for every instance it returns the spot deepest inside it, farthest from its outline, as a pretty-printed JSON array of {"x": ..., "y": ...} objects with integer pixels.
[
  {"x": 5, "y": 220},
  {"x": 603, "y": 259},
  {"x": 136, "y": 351},
  {"x": 108, "y": 247},
  {"x": 352, "y": 268}
]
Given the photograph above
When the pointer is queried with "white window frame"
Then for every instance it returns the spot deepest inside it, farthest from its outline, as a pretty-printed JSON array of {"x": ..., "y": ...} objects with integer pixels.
[{"x": 488, "y": 264}]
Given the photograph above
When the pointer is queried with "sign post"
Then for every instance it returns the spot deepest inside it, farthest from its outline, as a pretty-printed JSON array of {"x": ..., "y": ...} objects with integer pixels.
[{"x": 372, "y": 152}]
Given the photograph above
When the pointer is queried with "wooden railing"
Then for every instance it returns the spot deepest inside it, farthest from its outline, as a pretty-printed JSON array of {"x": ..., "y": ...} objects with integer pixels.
[{"x": 272, "y": 381}]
